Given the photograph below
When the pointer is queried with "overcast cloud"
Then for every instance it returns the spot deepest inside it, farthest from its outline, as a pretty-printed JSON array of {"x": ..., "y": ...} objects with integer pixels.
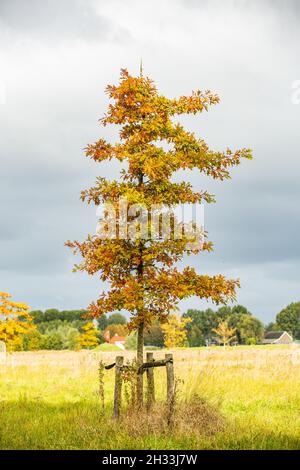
[{"x": 57, "y": 56}]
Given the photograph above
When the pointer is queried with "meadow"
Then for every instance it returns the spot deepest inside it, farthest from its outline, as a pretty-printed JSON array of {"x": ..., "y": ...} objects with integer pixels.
[{"x": 233, "y": 398}]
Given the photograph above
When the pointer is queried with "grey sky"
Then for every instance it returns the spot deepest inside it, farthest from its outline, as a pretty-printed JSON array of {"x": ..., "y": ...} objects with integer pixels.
[{"x": 56, "y": 58}]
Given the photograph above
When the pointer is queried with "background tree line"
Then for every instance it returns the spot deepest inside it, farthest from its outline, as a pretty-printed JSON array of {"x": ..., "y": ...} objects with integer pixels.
[
  {"x": 67, "y": 329},
  {"x": 70, "y": 329}
]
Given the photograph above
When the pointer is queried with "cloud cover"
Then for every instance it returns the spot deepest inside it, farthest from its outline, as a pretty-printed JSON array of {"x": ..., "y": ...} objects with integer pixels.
[{"x": 56, "y": 58}]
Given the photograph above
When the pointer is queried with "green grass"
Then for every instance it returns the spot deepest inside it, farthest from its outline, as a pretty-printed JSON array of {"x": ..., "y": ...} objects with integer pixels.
[{"x": 51, "y": 401}]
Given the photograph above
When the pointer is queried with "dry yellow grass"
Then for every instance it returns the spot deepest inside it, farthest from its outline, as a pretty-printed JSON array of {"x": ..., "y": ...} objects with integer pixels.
[{"x": 250, "y": 396}]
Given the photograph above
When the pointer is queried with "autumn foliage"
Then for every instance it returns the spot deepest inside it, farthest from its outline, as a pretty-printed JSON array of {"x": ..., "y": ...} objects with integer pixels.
[
  {"x": 142, "y": 274},
  {"x": 175, "y": 332},
  {"x": 15, "y": 321},
  {"x": 225, "y": 333},
  {"x": 89, "y": 336}
]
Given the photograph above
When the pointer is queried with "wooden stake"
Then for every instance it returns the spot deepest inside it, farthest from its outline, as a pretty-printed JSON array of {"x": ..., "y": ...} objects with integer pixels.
[
  {"x": 150, "y": 384},
  {"x": 170, "y": 386},
  {"x": 118, "y": 386},
  {"x": 140, "y": 360}
]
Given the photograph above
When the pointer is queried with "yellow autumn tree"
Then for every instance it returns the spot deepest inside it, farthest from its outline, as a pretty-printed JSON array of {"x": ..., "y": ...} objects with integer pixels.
[
  {"x": 225, "y": 332},
  {"x": 15, "y": 321},
  {"x": 175, "y": 333},
  {"x": 89, "y": 336}
]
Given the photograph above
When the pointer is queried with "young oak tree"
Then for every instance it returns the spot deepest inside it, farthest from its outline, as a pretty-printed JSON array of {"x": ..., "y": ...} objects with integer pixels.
[{"x": 142, "y": 273}]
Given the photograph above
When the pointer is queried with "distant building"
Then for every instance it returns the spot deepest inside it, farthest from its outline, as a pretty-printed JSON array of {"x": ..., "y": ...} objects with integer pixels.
[
  {"x": 118, "y": 341},
  {"x": 211, "y": 342},
  {"x": 277, "y": 337}
]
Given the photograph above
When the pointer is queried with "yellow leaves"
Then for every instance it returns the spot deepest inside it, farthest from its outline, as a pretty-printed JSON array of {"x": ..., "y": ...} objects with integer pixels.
[
  {"x": 9, "y": 307},
  {"x": 158, "y": 164},
  {"x": 5, "y": 295},
  {"x": 225, "y": 333},
  {"x": 89, "y": 336},
  {"x": 175, "y": 333},
  {"x": 15, "y": 321}
]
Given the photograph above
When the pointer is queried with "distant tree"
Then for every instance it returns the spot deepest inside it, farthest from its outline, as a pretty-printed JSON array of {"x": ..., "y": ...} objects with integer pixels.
[
  {"x": 131, "y": 341},
  {"x": 240, "y": 310},
  {"x": 249, "y": 330},
  {"x": 102, "y": 322},
  {"x": 175, "y": 332},
  {"x": 154, "y": 335},
  {"x": 36, "y": 316},
  {"x": 52, "y": 340},
  {"x": 63, "y": 336},
  {"x": 231, "y": 314},
  {"x": 289, "y": 319},
  {"x": 56, "y": 324},
  {"x": 223, "y": 313},
  {"x": 73, "y": 315},
  {"x": 15, "y": 321},
  {"x": 116, "y": 319},
  {"x": 52, "y": 314},
  {"x": 225, "y": 333},
  {"x": 89, "y": 336},
  {"x": 272, "y": 327},
  {"x": 195, "y": 337},
  {"x": 120, "y": 330},
  {"x": 73, "y": 339},
  {"x": 70, "y": 336},
  {"x": 200, "y": 328},
  {"x": 32, "y": 340}
]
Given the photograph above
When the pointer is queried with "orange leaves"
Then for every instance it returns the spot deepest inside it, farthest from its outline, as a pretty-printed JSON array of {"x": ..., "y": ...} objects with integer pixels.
[
  {"x": 179, "y": 285},
  {"x": 133, "y": 99},
  {"x": 195, "y": 103},
  {"x": 99, "y": 151},
  {"x": 102, "y": 150},
  {"x": 128, "y": 296}
]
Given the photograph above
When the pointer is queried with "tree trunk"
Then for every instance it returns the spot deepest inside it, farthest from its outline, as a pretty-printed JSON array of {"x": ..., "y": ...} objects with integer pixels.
[
  {"x": 140, "y": 331},
  {"x": 140, "y": 359}
]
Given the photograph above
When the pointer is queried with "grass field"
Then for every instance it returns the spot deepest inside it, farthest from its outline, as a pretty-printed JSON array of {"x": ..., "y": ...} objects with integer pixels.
[{"x": 251, "y": 396}]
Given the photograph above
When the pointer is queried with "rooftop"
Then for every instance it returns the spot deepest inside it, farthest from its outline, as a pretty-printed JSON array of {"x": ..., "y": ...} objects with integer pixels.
[{"x": 274, "y": 334}]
